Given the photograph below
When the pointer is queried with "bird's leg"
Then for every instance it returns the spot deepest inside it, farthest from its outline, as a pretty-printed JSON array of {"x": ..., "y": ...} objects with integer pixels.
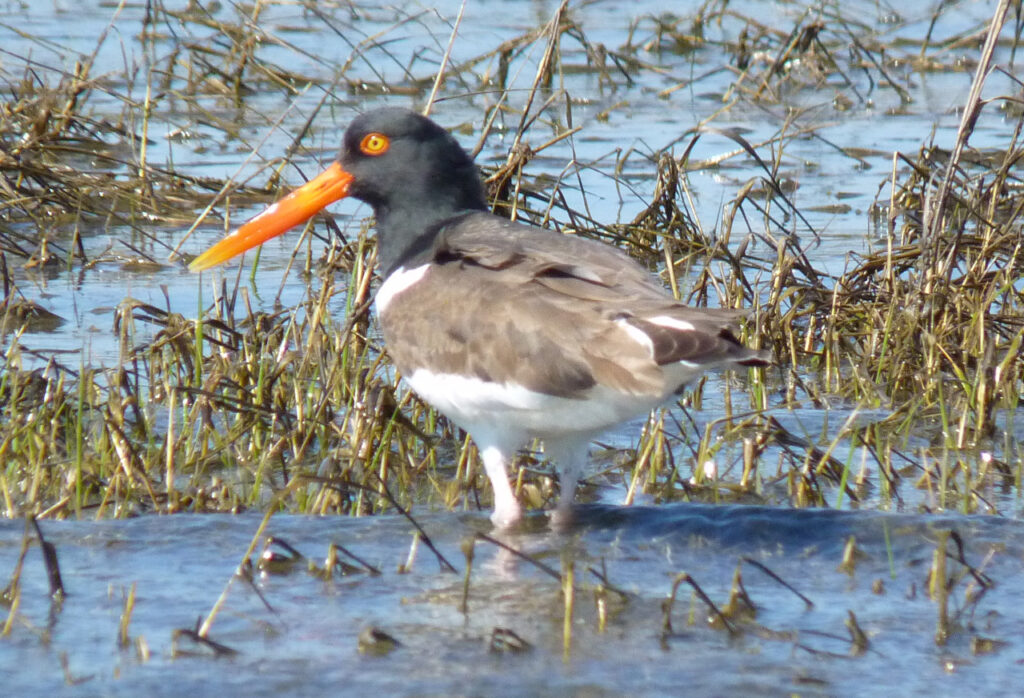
[
  {"x": 507, "y": 510},
  {"x": 561, "y": 515},
  {"x": 570, "y": 457}
]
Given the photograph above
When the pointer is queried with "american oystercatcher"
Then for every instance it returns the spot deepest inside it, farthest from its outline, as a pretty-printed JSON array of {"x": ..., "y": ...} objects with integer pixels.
[{"x": 510, "y": 330}]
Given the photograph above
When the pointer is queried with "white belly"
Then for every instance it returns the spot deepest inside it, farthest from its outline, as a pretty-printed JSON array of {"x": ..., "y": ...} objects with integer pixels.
[{"x": 475, "y": 404}]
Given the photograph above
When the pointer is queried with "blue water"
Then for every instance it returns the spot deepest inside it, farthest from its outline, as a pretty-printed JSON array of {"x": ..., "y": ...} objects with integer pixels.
[{"x": 308, "y": 644}]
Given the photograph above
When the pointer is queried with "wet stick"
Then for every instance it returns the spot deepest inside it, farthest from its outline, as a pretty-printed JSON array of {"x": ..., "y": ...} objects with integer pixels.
[
  {"x": 123, "y": 638},
  {"x": 938, "y": 588},
  {"x": 469, "y": 550},
  {"x": 569, "y": 599},
  {"x": 204, "y": 629}
]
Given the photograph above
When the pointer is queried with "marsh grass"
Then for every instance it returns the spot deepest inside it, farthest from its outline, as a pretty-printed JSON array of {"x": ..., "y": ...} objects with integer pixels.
[{"x": 297, "y": 409}]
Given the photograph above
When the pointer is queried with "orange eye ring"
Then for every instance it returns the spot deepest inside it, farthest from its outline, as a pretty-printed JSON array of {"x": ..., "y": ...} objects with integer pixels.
[{"x": 374, "y": 144}]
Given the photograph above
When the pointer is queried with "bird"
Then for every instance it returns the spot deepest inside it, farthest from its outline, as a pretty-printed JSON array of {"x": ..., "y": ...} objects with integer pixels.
[{"x": 512, "y": 331}]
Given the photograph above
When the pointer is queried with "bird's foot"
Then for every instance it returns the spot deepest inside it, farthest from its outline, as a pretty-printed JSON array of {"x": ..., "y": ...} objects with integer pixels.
[
  {"x": 561, "y": 518},
  {"x": 507, "y": 515}
]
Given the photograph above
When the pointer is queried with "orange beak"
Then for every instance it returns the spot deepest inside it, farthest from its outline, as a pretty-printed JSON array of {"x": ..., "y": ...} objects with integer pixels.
[{"x": 298, "y": 207}]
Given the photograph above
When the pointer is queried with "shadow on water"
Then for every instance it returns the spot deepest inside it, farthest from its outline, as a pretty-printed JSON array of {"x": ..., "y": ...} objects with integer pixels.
[
  {"x": 308, "y": 633},
  {"x": 752, "y": 529}
]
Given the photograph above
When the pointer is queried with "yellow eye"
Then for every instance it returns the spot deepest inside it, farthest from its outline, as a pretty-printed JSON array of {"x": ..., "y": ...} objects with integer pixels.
[{"x": 374, "y": 144}]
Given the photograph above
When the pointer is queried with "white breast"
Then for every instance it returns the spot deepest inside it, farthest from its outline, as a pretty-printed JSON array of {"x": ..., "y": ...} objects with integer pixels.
[{"x": 400, "y": 280}]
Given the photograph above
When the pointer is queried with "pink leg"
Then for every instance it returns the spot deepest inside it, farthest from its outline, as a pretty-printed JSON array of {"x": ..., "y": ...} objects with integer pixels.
[
  {"x": 507, "y": 510},
  {"x": 569, "y": 455}
]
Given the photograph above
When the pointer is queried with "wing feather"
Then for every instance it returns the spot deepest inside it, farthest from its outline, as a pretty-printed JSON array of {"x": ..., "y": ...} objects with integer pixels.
[{"x": 507, "y": 302}]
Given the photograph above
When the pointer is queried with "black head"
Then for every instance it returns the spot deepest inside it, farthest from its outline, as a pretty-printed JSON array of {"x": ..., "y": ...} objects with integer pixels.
[
  {"x": 413, "y": 173},
  {"x": 398, "y": 158}
]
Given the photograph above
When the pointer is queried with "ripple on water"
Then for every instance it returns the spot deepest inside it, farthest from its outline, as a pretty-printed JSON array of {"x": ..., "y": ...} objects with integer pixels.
[{"x": 180, "y": 564}]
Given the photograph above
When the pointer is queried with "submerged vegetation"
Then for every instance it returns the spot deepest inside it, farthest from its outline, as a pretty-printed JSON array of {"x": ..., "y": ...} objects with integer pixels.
[{"x": 916, "y": 342}]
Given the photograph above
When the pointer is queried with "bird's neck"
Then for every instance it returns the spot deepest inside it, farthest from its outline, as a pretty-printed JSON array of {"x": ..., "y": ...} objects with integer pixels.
[{"x": 407, "y": 226}]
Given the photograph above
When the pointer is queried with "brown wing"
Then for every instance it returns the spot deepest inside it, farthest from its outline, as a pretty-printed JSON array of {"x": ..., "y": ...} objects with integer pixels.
[{"x": 507, "y": 302}]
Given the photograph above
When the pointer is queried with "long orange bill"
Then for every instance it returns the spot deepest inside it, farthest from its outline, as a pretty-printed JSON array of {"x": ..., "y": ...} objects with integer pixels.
[{"x": 299, "y": 206}]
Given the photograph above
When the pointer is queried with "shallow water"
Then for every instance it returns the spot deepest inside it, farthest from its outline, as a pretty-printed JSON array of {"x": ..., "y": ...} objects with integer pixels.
[{"x": 308, "y": 644}]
